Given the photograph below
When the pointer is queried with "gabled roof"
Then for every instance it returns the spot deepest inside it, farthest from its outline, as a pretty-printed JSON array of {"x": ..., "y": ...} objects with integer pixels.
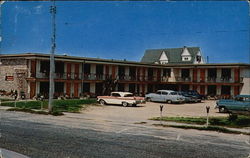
[{"x": 173, "y": 54}]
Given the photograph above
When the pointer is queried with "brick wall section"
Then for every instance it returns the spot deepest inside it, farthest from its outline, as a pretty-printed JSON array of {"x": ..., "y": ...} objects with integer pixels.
[{"x": 19, "y": 70}]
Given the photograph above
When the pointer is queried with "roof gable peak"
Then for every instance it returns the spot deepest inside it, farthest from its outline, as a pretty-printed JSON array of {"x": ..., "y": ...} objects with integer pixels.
[{"x": 185, "y": 52}]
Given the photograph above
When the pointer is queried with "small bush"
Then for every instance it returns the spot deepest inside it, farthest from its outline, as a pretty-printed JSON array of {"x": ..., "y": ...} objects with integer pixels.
[
  {"x": 232, "y": 117},
  {"x": 26, "y": 104},
  {"x": 73, "y": 105}
]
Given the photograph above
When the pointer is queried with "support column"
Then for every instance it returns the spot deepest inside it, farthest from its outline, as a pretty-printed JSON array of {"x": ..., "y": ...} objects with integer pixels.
[
  {"x": 92, "y": 88},
  {"x": 68, "y": 88},
  {"x": 236, "y": 90},
  {"x": 218, "y": 90},
  {"x": 236, "y": 75},
  {"x": 126, "y": 87},
  {"x": 113, "y": 71},
  {"x": 76, "y": 89},
  {"x": 32, "y": 89},
  {"x": 202, "y": 75},
  {"x": 195, "y": 75}
]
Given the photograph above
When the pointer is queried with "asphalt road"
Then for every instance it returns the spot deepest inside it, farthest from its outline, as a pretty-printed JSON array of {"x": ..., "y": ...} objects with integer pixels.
[{"x": 68, "y": 137}]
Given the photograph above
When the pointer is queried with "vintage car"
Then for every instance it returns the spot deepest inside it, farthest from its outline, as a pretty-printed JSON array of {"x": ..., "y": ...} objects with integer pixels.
[
  {"x": 168, "y": 96},
  {"x": 239, "y": 105},
  {"x": 195, "y": 93},
  {"x": 121, "y": 98},
  {"x": 189, "y": 98}
]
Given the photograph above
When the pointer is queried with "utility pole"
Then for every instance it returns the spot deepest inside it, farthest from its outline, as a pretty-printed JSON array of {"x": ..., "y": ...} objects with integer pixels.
[{"x": 52, "y": 56}]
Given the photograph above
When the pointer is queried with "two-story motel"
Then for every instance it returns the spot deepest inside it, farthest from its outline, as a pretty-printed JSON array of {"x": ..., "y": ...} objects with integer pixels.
[{"x": 176, "y": 69}]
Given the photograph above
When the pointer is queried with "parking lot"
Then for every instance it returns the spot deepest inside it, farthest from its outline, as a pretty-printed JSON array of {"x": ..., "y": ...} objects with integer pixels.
[{"x": 151, "y": 109}]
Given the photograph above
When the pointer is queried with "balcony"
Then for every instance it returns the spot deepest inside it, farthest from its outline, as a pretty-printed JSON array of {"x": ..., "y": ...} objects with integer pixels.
[
  {"x": 226, "y": 80},
  {"x": 46, "y": 75},
  {"x": 219, "y": 80},
  {"x": 183, "y": 79},
  {"x": 211, "y": 79}
]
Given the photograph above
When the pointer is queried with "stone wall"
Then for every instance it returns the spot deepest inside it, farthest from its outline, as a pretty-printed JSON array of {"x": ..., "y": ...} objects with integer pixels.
[
  {"x": 245, "y": 73},
  {"x": 16, "y": 68}
]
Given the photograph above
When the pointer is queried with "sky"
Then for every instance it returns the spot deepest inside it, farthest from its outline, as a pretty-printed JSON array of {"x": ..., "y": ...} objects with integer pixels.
[{"x": 125, "y": 29}]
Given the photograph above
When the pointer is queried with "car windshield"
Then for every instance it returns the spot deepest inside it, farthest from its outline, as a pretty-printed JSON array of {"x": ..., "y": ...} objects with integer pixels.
[{"x": 128, "y": 95}]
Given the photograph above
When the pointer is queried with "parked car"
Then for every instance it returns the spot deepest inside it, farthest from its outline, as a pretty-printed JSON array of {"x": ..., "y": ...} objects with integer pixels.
[
  {"x": 195, "y": 93},
  {"x": 239, "y": 105},
  {"x": 168, "y": 96},
  {"x": 121, "y": 98},
  {"x": 189, "y": 98}
]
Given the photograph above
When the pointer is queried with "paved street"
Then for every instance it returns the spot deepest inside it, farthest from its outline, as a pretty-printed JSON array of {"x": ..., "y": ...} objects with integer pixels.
[{"x": 74, "y": 136}]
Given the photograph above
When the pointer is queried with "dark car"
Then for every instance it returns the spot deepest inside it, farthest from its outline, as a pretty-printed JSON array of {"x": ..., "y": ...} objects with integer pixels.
[
  {"x": 195, "y": 93},
  {"x": 189, "y": 98}
]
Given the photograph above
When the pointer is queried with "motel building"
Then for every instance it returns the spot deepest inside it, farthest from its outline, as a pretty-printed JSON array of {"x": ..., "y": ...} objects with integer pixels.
[{"x": 175, "y": 69}]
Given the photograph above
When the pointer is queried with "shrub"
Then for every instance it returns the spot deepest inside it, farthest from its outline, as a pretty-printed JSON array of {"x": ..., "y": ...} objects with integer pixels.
[
  {"x": 232, "y": 117},
  {"x": 73, "y": 105},
  {"x": 26, "y": 104}
]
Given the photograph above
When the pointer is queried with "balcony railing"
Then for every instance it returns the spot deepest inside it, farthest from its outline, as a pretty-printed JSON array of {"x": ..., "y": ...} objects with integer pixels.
[
  {"x": 219, "y": 80},
  {"x": 102, "y": 77},
  {"x": 183, "y": 79}
]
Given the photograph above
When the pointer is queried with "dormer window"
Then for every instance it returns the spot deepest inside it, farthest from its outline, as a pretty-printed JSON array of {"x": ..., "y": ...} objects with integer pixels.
[
  {"x": 163, "y": 58},
  {"x": 186, "y": 56},
  {"x": 198, "y": 58}
]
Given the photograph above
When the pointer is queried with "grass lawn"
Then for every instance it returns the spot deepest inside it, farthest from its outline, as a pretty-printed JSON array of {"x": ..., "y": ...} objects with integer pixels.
[
  {"x": 241, "y": 121},
  {"x": 59, "y": 106}
]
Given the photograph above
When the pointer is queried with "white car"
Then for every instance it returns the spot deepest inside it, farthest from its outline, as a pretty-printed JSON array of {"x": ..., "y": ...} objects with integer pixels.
[
  {"x": 168, "y": 96},
  {"x": 121, "y": 98}
]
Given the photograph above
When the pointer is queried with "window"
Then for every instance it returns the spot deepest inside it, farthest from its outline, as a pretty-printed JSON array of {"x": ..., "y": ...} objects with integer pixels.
[
  {"x": 128, "y": 95},
  {"x": 173, "y": 93},
  {"x": 159, "y": 92},
  {"x": 198, "y": 58},
  {"x": 164, "y": 62},
  {"x": 116, "y": 95},
  {"x": 164, "y": 93},
  {"x": 185, "y": 58}
]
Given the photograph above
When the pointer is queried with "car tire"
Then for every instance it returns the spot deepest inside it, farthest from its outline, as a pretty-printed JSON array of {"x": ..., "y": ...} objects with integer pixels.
[
  {"x": 169, "y": 101},
  {"x": 148, "y": 99},
  {"x": 222, "y": 109},
  {"x": 125, "y": 104},
  {"x": 102, "y": 102}
]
